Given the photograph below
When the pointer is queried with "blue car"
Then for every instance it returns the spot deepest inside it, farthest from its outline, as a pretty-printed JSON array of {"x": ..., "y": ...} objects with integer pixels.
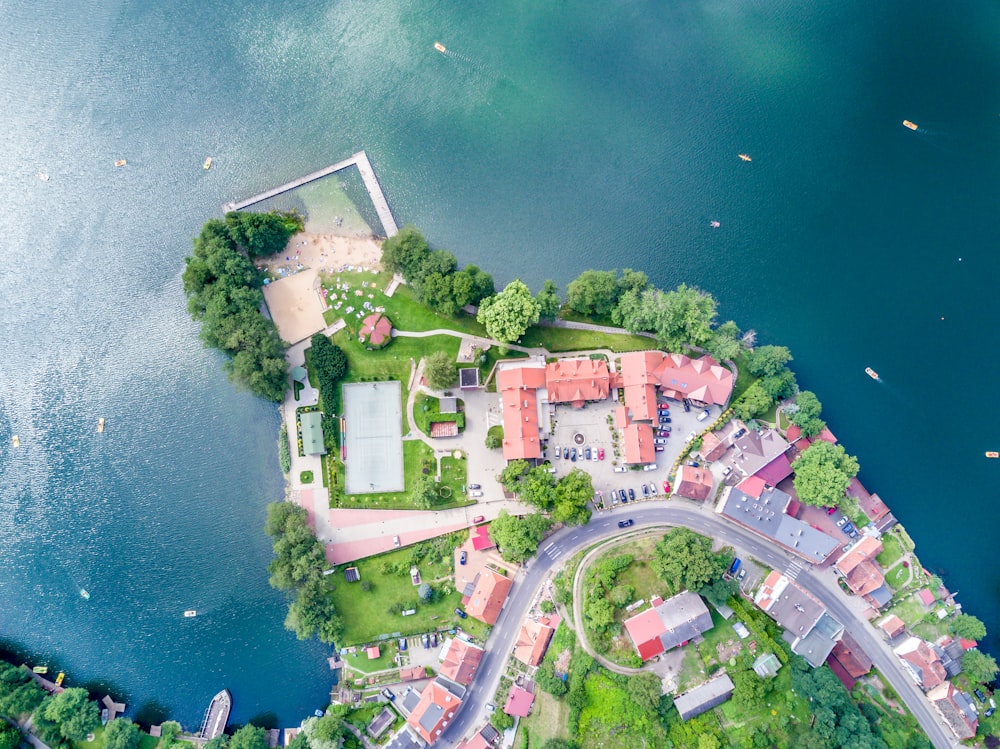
[
  {"x": 847, "y": 528},
  {"x": 735, "y": 566}
]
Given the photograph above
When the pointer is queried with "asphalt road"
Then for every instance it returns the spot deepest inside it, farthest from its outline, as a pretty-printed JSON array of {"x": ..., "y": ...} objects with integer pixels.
[{"x": 821, "y": 583}]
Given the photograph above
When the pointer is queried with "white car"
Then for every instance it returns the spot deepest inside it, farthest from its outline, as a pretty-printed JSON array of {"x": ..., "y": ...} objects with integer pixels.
[
  {"x": 620, "y": 469},
  {"x": 727, "y": 470},
  {"x": 691, "y": 436},
  {"x": 649, "y": 467},
  {"x": 558, "y": 452}
]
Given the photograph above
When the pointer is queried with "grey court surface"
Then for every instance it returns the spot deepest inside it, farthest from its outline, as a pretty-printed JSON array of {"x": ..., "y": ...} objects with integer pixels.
[{"x": 374, "y": 415}]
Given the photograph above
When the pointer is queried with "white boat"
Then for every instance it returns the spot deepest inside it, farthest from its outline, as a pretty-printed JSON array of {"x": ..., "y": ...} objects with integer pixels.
[
  {"x": 190, "y": 612},
  {"x": 873, "y": 374}
]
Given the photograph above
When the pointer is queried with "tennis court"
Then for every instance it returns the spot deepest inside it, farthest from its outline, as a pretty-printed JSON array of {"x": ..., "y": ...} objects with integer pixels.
[{"x": 374, "y": 441}]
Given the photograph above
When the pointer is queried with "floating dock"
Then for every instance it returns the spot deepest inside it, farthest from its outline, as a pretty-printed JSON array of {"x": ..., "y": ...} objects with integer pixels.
[
  {"x": 360, "y": 160},
  {"x": 216, "y": 716}
]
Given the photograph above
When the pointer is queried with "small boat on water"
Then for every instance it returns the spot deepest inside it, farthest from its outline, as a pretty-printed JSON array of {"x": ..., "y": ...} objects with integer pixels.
[
  {"x": 84, "y": 594},
  {"x": 992, "y": 454},
  {"x": 121, "y": 162},
  {"x": 440, "y": 47},
  {"x": 16, "y": 440},
  {"x": 189, "y": 613},
  {"x": 59, "y": 679},
  {"x": 911, "y": 125},
  {"x": 714, "y": 224},
  {"x": 43, "y": 176},
  {"x": 100, "y": 424},
  {"x": 873, "y": 374},
  {"x": 745, "y": 157},
  {"x": 207, "y": 164},
  {"x": 40, "y": 670}
]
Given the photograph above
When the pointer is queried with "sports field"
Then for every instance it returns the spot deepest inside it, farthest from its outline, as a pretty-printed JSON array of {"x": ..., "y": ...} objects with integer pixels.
[{"x": 374, "y": 439}]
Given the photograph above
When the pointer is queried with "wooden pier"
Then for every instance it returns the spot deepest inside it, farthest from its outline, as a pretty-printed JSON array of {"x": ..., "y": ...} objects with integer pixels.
[{"x": 360, "y": 160}]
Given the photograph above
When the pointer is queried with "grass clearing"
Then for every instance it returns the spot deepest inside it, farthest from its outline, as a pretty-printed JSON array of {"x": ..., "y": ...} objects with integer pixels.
[
  {"x": 569, "y": 339},
  {"x": 549, "y": 719},
  {"x": 361, "y": 663}
]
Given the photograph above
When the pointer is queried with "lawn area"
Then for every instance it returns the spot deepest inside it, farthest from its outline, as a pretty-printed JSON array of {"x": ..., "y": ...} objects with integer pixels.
[
  {"x": 568, "y": 339},
  {"x": 892, "y": 550},
  {"x": 549, "y": 719},
  {"x": 453, "y": 475},
  {"x": 781, "y": 707},
  {"x": 145, "y": 741},
  {"x": 639, "y": 574},
  {"x": 909, "y": 610},
  {"x": 745, "y": 379},
  {"x": 367, "y": 615},
  {"x": 360, "y": 661}
]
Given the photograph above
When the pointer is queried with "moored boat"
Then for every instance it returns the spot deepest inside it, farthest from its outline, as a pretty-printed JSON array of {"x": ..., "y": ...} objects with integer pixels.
[
  {"x": 41, "y": 670},
  {"x": 84, "y": 594},
  {"x": 16, "y": 440},
  {"x": 217, "y": 715},
  {"x": 872, "y": 373},
  {"x": 59, "y": 679},
  {"x": 911, "y": 125},
  {"x": 100, "y": 424}
]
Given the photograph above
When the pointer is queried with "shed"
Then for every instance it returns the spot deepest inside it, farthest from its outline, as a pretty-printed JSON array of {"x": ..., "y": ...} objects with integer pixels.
[
  {"x": 701, "y": 699},
  {"x": 312, "y": 433},
  {"x": 299, "y": 374}
]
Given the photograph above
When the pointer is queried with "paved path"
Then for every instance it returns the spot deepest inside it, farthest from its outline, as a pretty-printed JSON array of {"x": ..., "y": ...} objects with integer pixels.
[
  {"x": 572, "y": 325},
  {"x": 663, "y": 513}
]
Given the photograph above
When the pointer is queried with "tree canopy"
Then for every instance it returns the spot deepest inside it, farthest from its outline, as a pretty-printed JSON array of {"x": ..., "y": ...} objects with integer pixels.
[
  {"x": 548, "y": 300},
  {"x": 679, "y": 318},
  {"x": 823, "y": 473},
  {"x": 122, "y": 733},
  {"x": 805, "y": 413},
  {"x": 685, "y": 561},
  {"x": 507, "y": 315},
  {"x": 767, "y": 361},
  {"x": 754, "y": 402},
  {"x": 329, "y": 362},
  {"x": 573, "y": 492},
  {"x": 968, "y": 627},
  {"x": 978, "y": 666},
  {"x": 593, "y": 292},
  {"x": 440, "y": 370},
  {"x": 262, "y": 234},
  {"x": 19, "y": 694},
  {"x": 249, "y": 737},
  {"x": 10, "y": 737},
  {"x": 67, "y": 716},
  {"x": 518, "y": 537}
]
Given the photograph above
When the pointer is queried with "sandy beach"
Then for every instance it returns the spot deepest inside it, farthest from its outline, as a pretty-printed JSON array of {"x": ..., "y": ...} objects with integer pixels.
[{"x": 327, "y": 253}]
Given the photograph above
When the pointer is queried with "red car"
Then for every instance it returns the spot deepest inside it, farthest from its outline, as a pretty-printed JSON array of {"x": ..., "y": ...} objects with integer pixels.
[
  {"x": 478, "y": 519},
  {"x": 666, "y": 487},
  {"x": 600, "y": 453},
  {"x": 830, "y": 510}
]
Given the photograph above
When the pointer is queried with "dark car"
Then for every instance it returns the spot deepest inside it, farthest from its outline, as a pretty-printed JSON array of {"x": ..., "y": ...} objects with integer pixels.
[
  {"x": 460, "y": 614},
  {"x": 572, "y": 454},
  {"x": 462, "y": 557},
  {"x": 687, "y": 405},
  {"x": 735, "y": 566},
  {"x": 402, "y": 643},
  {"x": 692, "y": 463},
  {"x": 566, "y": 452},
  {"x": 587, "y": 453},
  {"x": 665, "y": 420},
  {"x": 622, "y": 496},
  {"x": 434, "y": 639},
  {"x": 978, "y": 692},
  {"x": 659, "y": 448},
  {"x": 740, "y": 433},
  {"x": 631, "y": 494},
  {"x": 388, "y": 694},
  {"x": 847, "y": 528},
  {"x": 475, "y": 486},
  {"x": 645, "y": 490},
  {"x": 425, "y": 640},
  {"x": 625, "y": 523}
]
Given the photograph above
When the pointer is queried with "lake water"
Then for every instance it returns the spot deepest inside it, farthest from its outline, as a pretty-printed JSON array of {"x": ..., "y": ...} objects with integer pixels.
[{"x": 550, "y": 138}]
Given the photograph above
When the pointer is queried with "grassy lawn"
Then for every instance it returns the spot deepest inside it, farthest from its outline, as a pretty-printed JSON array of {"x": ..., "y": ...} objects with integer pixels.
[
  {"x": 781, "y": 707},
  {"x": 427, "y": 409},
  {"x": 145, "y": 741},
  {"x": 453, "y": 475},
  {"x": 360, "y": 661},
  {"x": 567, "y": 339},
  {"x": 549, "y": 719},
  {"x": 745, "y": 379},
  {"x": 910, "y": 611},
  {"x": 367, "y": 615},
  {"x": 639, "y": 574},
  {"x": 898, "y": 577}
]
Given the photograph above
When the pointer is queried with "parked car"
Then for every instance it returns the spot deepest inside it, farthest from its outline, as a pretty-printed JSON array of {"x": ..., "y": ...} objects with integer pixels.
[
  {"x": 631, "y": 493},
  {"x": 572, "y": 454},
  {"x": 462, "y": 557},
  {"x": 600, "y": 453},
  {"x": 460, "y": 614},
  {"x": 490, "y": 707},
  {"x": 395, "y": 540},
  {"x": 692, "y": 463},
  {"x": 830, "y": 510},
  {"x": 425, "y": 640},
  {"x": 622, "y": 496},
  {"x": 558, "y": 452},
  {"x": 478, "y": 518},
  {"x": 645, "y": 490},
  {"x": 434, "y": 639},
  {"x": 666, "y": 487},
  {"x": 664, "y": 420},
  {"x": 704, "y": 415},
  {"x": 727, "y": 470},
  {"x": 388, "y": 694},
  {"x": 663, "y": 406},
  {"x": 659, "y": 448},
  {"x": 841, "y": 522},
  {"x": 649, "y": 467},
  {"x": 691, "y": 436},
  {"x": 620, "y": 469},
  {"x": 653, "y": 489},
  {"x": 566, "y": 452},
  {"x": 586, "y": 453},
  {"x": 475, "y": 494},
  {"x": 594, "y": 455},
  {"x": 475, "y": 486},
  {"x": 740, "y": 433},
  {"x": 848, "y": 527},
  {"x": 853, "y": 533},
  {"x": 735, "y": 566},
  {"x": 742, "y": 574},
  {"x": 625, "y": 523},
  {"x": 402, "y": 643},
  {"x": 687, "y": 405},
  {"x": 659, "y": 440},
  {"x": 978, "y": 692},
  {"x": 665, "y": 429},
  {"x": 614, "y": 497}
]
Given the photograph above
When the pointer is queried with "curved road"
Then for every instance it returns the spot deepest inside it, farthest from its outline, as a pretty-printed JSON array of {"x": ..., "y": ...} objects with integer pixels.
[{"x": 562, "y": 544}]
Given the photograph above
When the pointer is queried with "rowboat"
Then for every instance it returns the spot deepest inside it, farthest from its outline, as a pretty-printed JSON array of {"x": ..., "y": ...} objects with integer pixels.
[
  {"x": 439, "y": 47},
  {"x": 745, "y": 157},
  {"x": 100, "y": 424},
  {"x": 59, "y": 679},
  {"x": 992, "y": 454},
  {"x": 207, "y": 164},
  {"x": 872, "y": 373},
  {"x": 40, "y": 670},
  {"x": 43, "y": 176},
  {"x": 84, "y": 594},
  {"x": 190, "y": 612},
  {"x": 120, "y": 162},
  {"x": 911, "y": 125},
  {"x": 16, "y": 440}
]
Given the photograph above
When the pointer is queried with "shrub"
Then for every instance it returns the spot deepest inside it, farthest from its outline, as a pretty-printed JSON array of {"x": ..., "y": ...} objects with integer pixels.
[{"x": 284, "y": 451}]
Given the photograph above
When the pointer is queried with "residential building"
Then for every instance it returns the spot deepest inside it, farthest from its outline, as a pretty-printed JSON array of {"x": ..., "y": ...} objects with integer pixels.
[
  {"x": 638, "y": 443},
  {"x": 922, "y": 662},
  {"x": 488, "y": 593},
  {"x": 862, "y": 573},
  {"x": 405, "y": 739},
  {"x": 848, "y": 661},
  {"x": 872, "y": 505},
  {"x": 519, "y": 702},
  {"x": 694, "y": 483},
  {"x": 437, "y": 707},
  {"x": 576, "y": 381},
  {"x": 481, "y": 540},
  {"x": 459, "y": 660},
  {"x": 668, "y": 624},
  {"x": 810, "y": 630},
  {"x": 519, "y": 401},
  {"x": 702, "y": 380},
  {"x": 892, "y": 626},
  {"x": 767, "y": 665},
  {"x": 703, "y": 698},
  {"x": 713, "y": 447},
  {"x": 957, "y": 709},
  {"x": 763, "y": 509},
  {"x": 755, "y": 451},
  {"x": 533, "y": 640}
]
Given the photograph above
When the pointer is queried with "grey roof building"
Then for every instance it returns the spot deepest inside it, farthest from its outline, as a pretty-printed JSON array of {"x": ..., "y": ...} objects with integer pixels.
[
  {"x": 411, "y": 698},
  {"x": 312, "y": 433},
  {"x": 668, "y": 623},
  {"x": 756, "y": 449},
  {"x": 700, "y": 699},
  {"x": 809, "y": 628},
  {"x": 405, "y": 740},
  {"x": 767, "y": 665},
  {"x": 765, "y": 514}
]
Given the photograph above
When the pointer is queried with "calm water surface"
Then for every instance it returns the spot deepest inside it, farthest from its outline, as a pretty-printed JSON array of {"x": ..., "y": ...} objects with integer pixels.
[{"x": 558, "y": 136}]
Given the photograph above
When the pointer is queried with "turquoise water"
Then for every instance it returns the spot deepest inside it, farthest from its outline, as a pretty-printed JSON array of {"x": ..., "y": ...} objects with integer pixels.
[{"x": 552, "y": 137}]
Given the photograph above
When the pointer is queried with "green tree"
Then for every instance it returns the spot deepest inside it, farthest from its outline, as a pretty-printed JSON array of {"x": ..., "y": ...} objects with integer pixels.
[
  {"x": 122, "y": 733},
  {"x": 507, "y": 315},
  {"x": 425, "y": 591},
  {"x": 684, "y": 560},
  {"x": 405, "y": 252},
  {"x": 572, "y": 493},
  {"x": 424, "y": 492},
  {"x": 72, "y": 712},
  {"x": 19, "y": 695},
  {"x": 600, "y": 613},
  {"x": 632, "y": 280},
  {"x": 593, "y": 292},
  {"x": 679, "y": 318},
  {"x": 805, "y": 413},
  {"x": 494, "y": 437},
  {"x": 725, "y": 341},
  {"x": 329, "y": 363},
  {"x": 754, "y": 402},
  {"x": 968, "y": 627},
  {"x": 978, "y": 666},
  {"x": 222, "y": 742},
  {"x": 559, "y": 744},
  {"x": 517, "y": 537},
  {"x": 823, "y": 473},
  {"x": 779, "y": 386},
  {"x": 249, "y": 737},
  {"x": 312, "y": 612},
  {"x": 645, "y": 691},
  {"x": 440, "y": 370},
  {"x": 548, "y": 300},
  {"x": 767, "y": 361},
  {"x": 621, "y": 595},
  {"x": 171, "y": 729},
  {"x": 262, "y": 234},
  {"x": 750, "y": 689},
  {"x": 501, "y": 721},
  {"x": 10, "y": 737},
  {"x": 719, "y": 591}
]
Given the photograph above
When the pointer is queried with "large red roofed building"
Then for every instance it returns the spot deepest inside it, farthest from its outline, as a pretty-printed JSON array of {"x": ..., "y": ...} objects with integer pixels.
[
  {"x": 489, "y": 592},
  {"x": 668, "y": 624},
  {"x": 638, "y": 442},
  {"x": 694, "y": 483},
  {"x": 438, "y": 705},
  {"x": 923, "y": 663},
  {"x": 678, "y": 376},
  {"x": 533, "y": 640},
  {"x": 577, "y": 381},
  {"x": 460, "y": 661},
  {"x": 518, "y": 388}
]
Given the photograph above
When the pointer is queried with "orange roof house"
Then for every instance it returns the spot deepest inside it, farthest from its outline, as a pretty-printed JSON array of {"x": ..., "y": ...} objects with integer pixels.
[
  {"x": 712, "y": 448},
  {"x": 923, "y": 664},
  {"x": 858, "y": 567},
  {"x": 678, "y": 376},
  {"x": 577, "y": 381},
  {"x": 850, "y": 655},
  {"x": 893, "y": 626},
  {"x": 439, "y": 702},
  {"x": 532, "y": 641},
  {"x": 489, "y": 592},
  {"x": 694, "y": 483},
  {"x": 481, "y": 540},
  {"x": 639, "y": 447},
  {"x": 376, "y": 330},
  {"x": 460, "y": 661},
  {"x": 668, "y": 624},
  {"x": 518, "y": 388}
]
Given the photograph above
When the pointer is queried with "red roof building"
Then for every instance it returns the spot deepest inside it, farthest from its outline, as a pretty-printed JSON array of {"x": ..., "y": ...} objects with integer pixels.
[
  {"x": 893, "y": 626},
  {"x": 922, "y": 662},
  {"x": 519, "y": 702},
  {"x": 489, "y": 592},
  {"x": 752, "y": 486},
  {"x": 668, "y": 624},
  {"x": 703, "y": 380},
  {"x": 444, "y": 429},
  {"x": 776, "y": 471},
  {"x": 376, "y": 329},
  {"x": 858, "y": 567},
  {"x": 926, "y": 597},
  {"x": 412, "y": 673},
  {"x": 639, "y": 446},
  {"x": 481, "y": 540},
  {"x": 850, "y": 655},
  {"x": 577, "y": 381},
  {"x": 437, "y": 707},
  {"x": 518, "y": 388},
  {"x": 460, "y": 661},
  {"x": 533, "y": 640},
  {"x": 694, "y": 483},
  {"x": 712, "y": 448}
]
